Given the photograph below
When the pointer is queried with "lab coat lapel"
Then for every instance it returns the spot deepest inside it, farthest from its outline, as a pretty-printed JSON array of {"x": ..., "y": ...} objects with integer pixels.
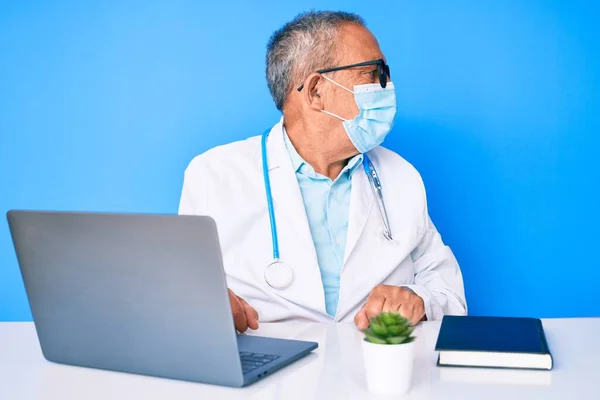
[
  {"x": 296, "y": 245},
  {"x": 371, "y": 259},
  {"x": 361, "y": 202}
]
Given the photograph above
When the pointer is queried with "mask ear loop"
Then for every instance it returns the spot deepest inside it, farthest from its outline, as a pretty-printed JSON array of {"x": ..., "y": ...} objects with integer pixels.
[
  {"x": 335, "y": 83},
  {"x": 343, "y": 87},
  {"x": 334, "y": 115}
]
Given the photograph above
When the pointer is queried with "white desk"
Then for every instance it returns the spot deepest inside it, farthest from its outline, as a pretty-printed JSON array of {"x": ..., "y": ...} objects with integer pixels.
[{"x": 334, "y": 371}]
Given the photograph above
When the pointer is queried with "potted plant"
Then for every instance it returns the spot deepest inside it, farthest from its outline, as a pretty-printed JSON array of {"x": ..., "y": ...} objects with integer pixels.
[{"x": 388, "y": 350}]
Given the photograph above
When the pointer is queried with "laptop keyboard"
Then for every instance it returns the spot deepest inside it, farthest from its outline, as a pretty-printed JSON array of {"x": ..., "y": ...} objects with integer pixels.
[{"x": 251, "y": 361}]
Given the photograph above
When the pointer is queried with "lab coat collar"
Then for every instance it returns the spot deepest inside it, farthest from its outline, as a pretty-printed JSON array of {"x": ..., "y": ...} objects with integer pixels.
[
  {"x": 296, "y": 246},
  {"x": 361, "y": 197},
  {"x": 361, "y": 202}
]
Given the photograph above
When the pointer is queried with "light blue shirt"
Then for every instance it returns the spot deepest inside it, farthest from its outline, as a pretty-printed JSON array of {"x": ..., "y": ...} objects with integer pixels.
[{"x": 327, "y": 205}]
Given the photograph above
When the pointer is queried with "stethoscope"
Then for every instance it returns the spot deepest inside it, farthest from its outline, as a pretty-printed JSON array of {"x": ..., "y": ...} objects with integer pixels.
[{"x": 280, "y": 275}]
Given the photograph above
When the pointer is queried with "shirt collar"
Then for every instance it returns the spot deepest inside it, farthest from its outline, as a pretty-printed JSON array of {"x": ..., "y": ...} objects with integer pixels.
[
  {"x": 297, "y": 160},
  {"x": 306, "y": 169}
]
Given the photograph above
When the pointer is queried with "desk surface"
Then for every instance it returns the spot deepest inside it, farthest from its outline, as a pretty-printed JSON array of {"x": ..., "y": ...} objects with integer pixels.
[{"x": 334, "y": 371}]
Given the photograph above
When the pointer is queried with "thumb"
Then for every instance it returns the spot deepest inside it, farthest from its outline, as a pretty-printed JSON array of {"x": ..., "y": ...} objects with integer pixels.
[
  {"x": 237, "y": 309},
  {"x": 251, "y": 314},
  {"x": 361, "y": 319}
]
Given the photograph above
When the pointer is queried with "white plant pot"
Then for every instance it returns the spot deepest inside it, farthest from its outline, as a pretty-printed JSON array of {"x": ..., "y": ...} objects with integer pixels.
[{"x": 388, "y": 367}]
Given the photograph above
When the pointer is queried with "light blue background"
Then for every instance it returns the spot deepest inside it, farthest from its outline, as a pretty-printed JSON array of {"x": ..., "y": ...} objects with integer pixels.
[{"x": 103, "y": 104}]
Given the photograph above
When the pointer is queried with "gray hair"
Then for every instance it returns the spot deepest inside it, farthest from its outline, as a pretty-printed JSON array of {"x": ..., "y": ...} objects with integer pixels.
[{"x": 302, "y": 46}]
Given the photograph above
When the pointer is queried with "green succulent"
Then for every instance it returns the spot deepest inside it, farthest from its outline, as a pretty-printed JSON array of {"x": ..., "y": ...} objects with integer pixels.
[{"x": 389, "y": 328}]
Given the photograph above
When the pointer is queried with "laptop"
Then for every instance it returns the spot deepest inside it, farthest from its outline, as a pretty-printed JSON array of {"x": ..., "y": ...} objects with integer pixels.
[{"x": 138, "y": 293}]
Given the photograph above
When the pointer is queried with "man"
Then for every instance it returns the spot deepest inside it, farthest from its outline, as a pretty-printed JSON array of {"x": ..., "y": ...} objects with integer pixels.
[{"x": 346, "y": 253}]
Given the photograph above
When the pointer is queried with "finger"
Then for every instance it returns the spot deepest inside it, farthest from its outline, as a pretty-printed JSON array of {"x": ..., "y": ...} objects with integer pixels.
[
  {"x": 407, "y": 310},
  {"x": 251, "y": 314},
  {"x": 419, "y": 314},
  {"x": 239, "y": 316},
  {"x": 417, "y": 305},
  {"x": 395, "y": 298},
  {"x": 391, "y": 303},
  {"x": 361, "y": 320},
  {"x": 374, "y": 304},
  {"x": 419, "y": 309}
]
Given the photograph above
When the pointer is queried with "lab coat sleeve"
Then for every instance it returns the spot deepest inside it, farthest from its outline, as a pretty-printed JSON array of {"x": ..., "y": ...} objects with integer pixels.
[
  {"x": 438, "y": 280},
  {"x": 194, "y": 199}
]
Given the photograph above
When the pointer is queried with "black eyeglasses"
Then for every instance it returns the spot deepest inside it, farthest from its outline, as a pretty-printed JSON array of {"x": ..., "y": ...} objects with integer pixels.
[{"x": 383, "y": 70}]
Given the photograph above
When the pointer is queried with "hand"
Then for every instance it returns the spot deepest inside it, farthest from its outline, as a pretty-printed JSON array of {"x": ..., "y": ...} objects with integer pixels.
[
  {"x": 244, "y": 316},
  {"x": 385, "y": 298}
]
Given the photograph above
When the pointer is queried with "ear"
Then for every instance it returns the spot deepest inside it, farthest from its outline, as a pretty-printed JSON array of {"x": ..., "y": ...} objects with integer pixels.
[{"x": 310, "y": 91}]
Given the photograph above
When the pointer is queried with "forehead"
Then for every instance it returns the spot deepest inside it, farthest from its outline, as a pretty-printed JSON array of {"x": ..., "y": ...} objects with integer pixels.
[{"x": 357, "y": 44}]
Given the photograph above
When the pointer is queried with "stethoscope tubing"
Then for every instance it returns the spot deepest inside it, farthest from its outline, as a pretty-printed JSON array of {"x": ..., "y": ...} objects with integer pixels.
[{"x": 267, "y": 181}]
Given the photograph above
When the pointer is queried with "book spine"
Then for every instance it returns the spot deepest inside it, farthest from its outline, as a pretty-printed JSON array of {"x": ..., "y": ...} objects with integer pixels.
[{"x": 544, "y": 340}]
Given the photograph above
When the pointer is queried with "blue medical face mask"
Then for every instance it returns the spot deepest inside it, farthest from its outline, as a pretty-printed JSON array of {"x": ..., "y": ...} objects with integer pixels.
[{"x": 377, "y": 110}]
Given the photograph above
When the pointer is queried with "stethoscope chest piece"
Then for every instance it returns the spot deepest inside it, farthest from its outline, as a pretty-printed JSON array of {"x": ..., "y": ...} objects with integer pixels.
[{"x": 279, "y": 275}]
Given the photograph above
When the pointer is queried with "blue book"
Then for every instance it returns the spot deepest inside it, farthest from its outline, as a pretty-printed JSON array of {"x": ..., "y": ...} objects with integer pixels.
[{"x": 493, "y": 342}]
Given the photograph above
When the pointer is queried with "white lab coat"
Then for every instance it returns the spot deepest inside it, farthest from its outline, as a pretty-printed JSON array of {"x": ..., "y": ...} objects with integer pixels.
[{"x": 227, "y": 184}]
